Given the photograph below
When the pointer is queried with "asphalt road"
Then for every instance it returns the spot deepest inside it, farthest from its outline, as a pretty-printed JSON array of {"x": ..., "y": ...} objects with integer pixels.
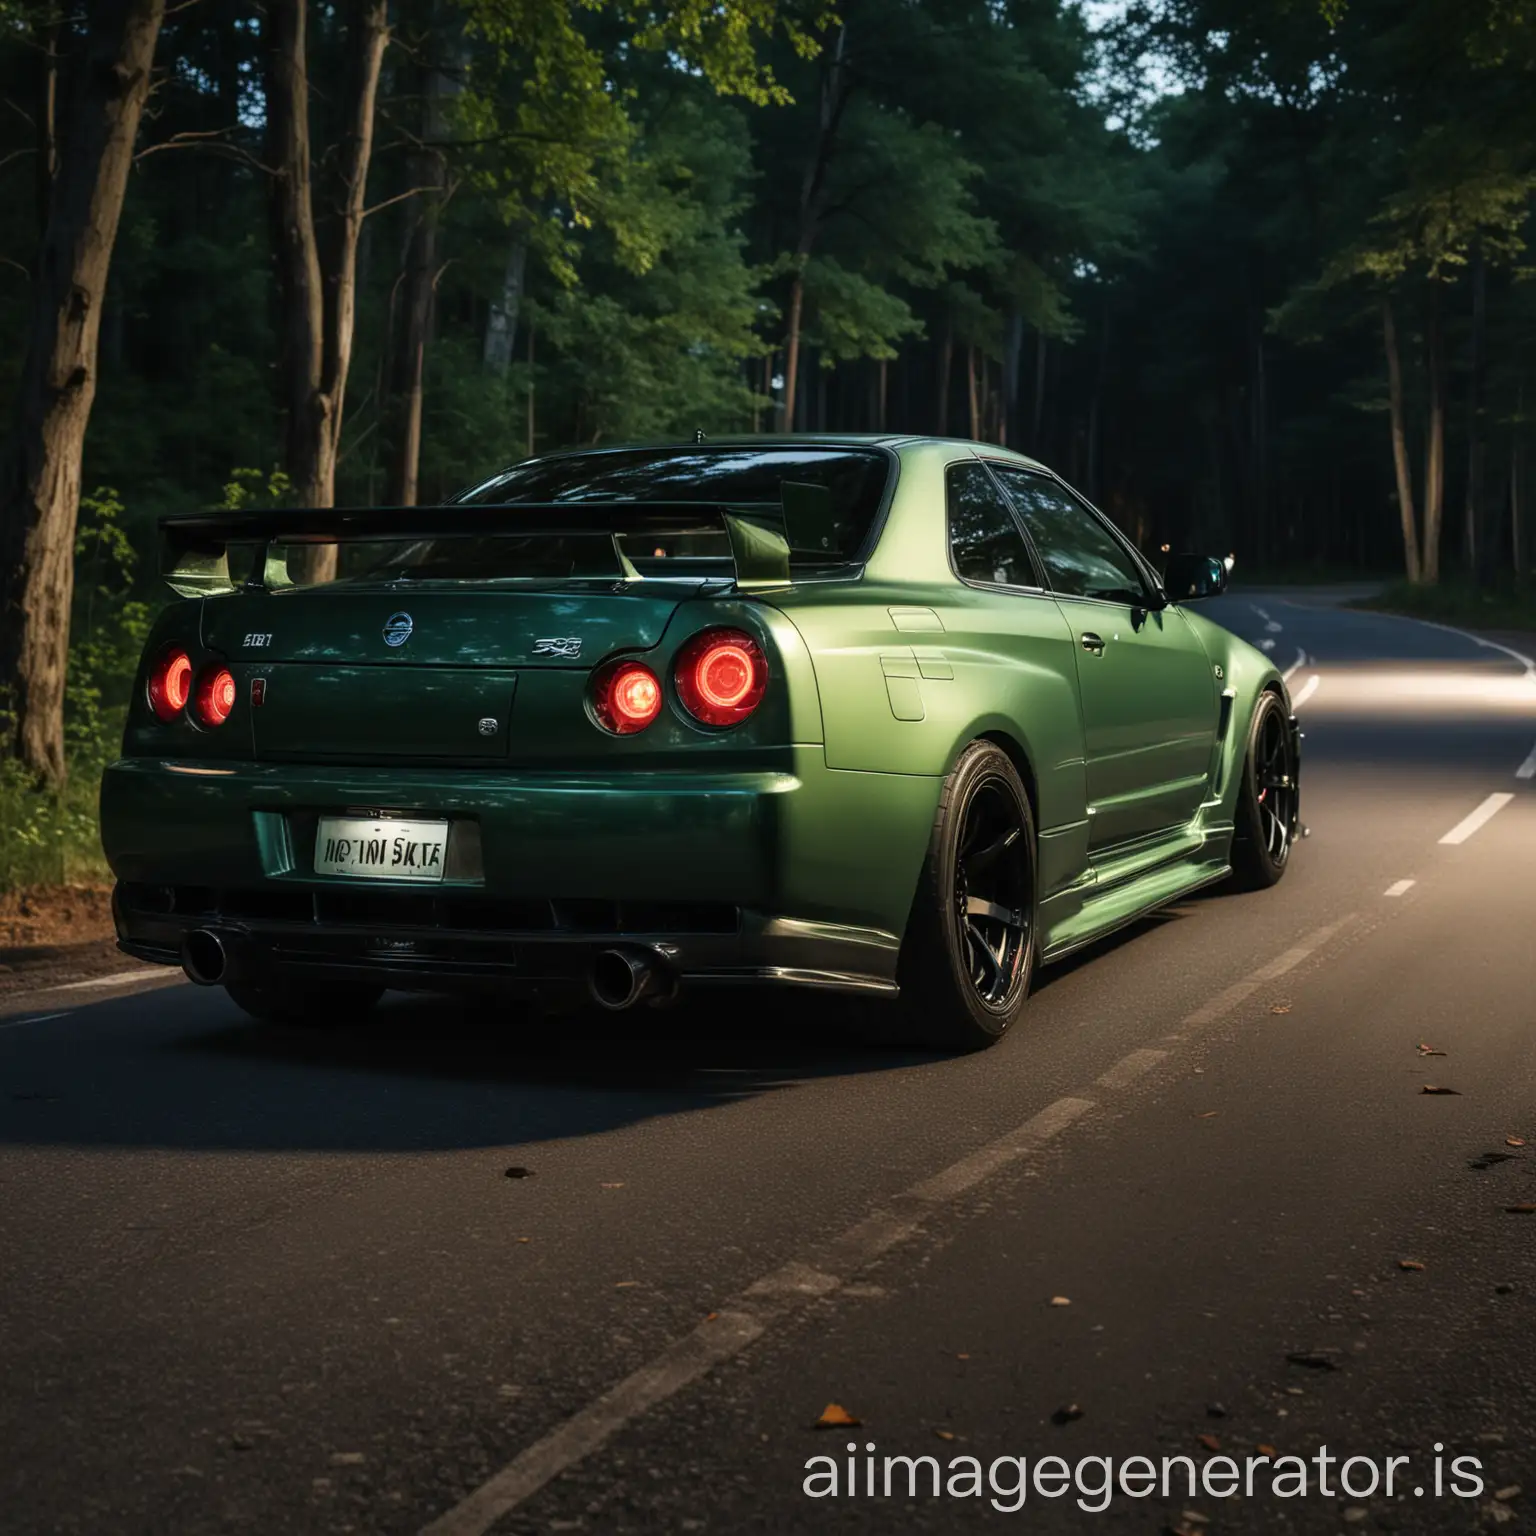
[{"x": 253, "y": 1281}]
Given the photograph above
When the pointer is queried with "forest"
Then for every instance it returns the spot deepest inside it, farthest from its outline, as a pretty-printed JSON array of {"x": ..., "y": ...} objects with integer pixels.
[{"x": 1254, "y": 276}]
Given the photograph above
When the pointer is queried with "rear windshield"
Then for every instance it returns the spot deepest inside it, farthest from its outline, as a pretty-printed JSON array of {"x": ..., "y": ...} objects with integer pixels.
[{"x": 856, "y": 478}]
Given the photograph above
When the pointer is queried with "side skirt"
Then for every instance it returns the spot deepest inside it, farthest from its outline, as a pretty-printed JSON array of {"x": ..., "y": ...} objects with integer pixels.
[{"x": 1088, "y": 916}]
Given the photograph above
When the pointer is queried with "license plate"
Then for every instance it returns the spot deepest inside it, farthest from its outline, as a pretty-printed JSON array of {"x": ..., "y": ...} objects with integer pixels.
[{"x": 372, "y": 849}]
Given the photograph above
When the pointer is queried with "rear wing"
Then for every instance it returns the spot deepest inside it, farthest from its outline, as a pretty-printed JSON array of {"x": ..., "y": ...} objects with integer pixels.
[{"x": 196, "y": 547}]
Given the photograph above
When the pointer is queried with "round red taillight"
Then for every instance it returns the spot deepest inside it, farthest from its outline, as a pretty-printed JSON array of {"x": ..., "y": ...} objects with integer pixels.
[
  {"x": 215, "y": 696},
  {"x": 722, "y": 676},
  {"x": 626, "y": 697},
  {"x": 170, "y": 684}
]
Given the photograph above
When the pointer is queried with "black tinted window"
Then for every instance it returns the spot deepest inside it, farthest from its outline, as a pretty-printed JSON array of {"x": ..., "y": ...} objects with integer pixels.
[
  {"x": 983, "y": 536},
  {"x": 855, "y": 477},
  {"x": 1082, "y": 557}
]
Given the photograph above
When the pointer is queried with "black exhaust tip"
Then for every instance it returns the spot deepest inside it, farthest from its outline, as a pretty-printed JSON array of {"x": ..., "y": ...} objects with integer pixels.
[
  {"x": 620, "y": 978},
  {"x": 205, "y": 958}
]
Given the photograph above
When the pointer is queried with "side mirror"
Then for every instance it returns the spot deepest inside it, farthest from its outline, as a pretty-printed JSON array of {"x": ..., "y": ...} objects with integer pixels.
[{"x": 1188, "y": 578}]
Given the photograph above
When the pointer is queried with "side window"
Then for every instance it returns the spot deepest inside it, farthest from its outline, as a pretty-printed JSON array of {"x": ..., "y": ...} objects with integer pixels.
[
  {"x": 983, "y": 537},
  {"x": 1081, "y": 556}
]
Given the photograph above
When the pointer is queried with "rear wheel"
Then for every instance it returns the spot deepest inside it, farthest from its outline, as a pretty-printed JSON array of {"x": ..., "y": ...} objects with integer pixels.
[
  {"x": 969, "y": 951},
  {"x": 1268, "y": 799},
  {"x": 311, "y": 1005}
]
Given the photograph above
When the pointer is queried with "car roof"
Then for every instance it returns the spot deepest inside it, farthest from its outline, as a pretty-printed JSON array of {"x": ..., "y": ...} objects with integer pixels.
[{"x": 896, "y": 441}]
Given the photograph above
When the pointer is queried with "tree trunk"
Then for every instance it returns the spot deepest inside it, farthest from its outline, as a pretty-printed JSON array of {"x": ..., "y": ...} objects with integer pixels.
[
  {"x": 1434, "y": 448},
  {"x": 1516, "y": 486},
  {"x": 318, "y": 301},
  {"x": 835, "y": 87},
  {"x": 1013, "y": 354},
  {"x": 881, "y": 390},
  {"x": 946, "y": 363},
  {"x": 971, "y": 392},
  {"x": 427, "y": 169},
  {"x": 47, "y": 118},
  {"x": 792, "y": 350},
  {"x": 1400, "y": 446},
  {"x": 501, "y": 328},
  {"x": 1039, "y": 401},
  {"x": 1475, "y": 552},
  {"x": 40, "y": 467}
]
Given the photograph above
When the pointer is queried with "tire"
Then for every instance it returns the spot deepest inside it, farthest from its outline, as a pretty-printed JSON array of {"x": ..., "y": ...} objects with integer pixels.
[
  {"x": 964, "y": 974},
  {"x": 1267, "y": 814},
  {"x": 309, "y": 1005}
]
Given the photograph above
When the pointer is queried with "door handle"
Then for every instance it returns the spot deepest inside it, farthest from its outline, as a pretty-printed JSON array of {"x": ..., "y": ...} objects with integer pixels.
[{"x": 1093, "y": 644}]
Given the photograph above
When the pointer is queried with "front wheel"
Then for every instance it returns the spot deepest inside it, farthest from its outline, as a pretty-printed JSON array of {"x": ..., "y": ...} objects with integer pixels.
[
  {"x": 969, "y": 951},
  {"x": 1268, "y": 799},
  {"x": 310, "y": 1005}
]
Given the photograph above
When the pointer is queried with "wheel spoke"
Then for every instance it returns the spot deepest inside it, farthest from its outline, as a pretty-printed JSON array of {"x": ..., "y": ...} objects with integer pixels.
[
  {"x": 977, "y": 906},
  {"x": 990, "y": 963},
  {"x": 984, "y": 858}
]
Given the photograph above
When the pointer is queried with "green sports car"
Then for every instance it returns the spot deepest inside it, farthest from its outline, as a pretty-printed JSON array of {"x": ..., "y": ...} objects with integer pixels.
[{"x": 893, "y": 716}]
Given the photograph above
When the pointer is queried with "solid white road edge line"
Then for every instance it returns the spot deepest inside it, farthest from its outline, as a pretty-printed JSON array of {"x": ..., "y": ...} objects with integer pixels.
[
  {"x": 797, "y": 1283},
  {"x": 1399, "y": 888},
  {"x": 1295, "y": 666},
  {"x": 1480, "y": 817},
  {"x": 1308, "y": 689}
]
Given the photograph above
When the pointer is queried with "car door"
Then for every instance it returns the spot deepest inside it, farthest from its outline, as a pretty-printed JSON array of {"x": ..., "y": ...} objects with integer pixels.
[
  {"x": 1150, "y": 696},
  {"x": 1012, "y": 651}
]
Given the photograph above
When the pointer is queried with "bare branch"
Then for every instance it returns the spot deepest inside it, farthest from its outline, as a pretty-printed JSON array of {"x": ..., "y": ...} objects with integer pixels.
[
  {"x": 5, "y": 261},
  {"x": 15, "y": 154},
  {"x": 400, "y": 197}
]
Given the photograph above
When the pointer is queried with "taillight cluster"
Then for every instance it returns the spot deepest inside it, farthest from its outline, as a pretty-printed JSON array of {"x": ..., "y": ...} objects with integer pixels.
[
  {"x": 720, "y": 676},
  {"x": 173, "y": 688}
]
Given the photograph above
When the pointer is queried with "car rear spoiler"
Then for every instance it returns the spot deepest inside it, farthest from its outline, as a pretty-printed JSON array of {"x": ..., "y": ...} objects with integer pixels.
[{"x": 195, "y": 547}]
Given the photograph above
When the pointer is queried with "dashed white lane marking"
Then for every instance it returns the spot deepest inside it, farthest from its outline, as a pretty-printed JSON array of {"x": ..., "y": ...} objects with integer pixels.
[
  {"x": 1480, "y": 817},
  {"x": 1527, "y": 769},
  {"x": 766, "y": 1301},
  {"x": 1399, "y": 888},
  {"x": 1307, "y": 690},
  {"x": 1295, "y": 666},
  {"x": 117, "y": 978},
  {"x": 1266, "y": 645},
  {"x": 1129, "y": 1068},
  {"x": 41, "y": 1018},
  {"x": 1269, "y": 624},
  {"x": 796, "y": 1284}
]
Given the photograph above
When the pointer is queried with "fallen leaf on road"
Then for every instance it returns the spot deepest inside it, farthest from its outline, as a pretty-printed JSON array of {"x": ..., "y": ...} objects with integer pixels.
[
  {"x": 944, "y": 1434},
  {"x": 1061, "y": 1301},
  {"x": 1194, "y": 1517},
  {"x": 1504, "y": 1495},
  {"x": 1431, "y": 1088},
  {"x": 1521, "y": 1210},
  {"x": 1266, "y": 1450},
  {"x": 1066, "y": 1415},
  {"x": 835, "y": 1416},
  {"x": 619, "y": 1185},
  {"x": 619, "y": 1285},
  {"x": 1313, "y": 1360},
  {"x": 348, "y": 1458},
  {"x": 1514, "y": 1141},
  {"x": 1409, "y": 1264},
  {"x": 1210, "y": 1442},
  {"x": 1429, "y": 1050},
  {"x": 962, "y": 1357},
  {"x": 519, "y": 1173},
  {"x": 1279, "y": 1007},
  {"x": 711, "y": 1316},
  {"x": 1208, "y": 1114},
  {"x": 525, "y": 1239}
]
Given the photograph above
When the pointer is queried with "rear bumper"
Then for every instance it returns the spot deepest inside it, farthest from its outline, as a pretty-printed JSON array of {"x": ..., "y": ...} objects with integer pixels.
[{"x": 801, "y": 876}]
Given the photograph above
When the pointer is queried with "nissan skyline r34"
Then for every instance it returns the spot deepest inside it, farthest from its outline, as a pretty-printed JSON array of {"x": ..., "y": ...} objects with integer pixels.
[{"x": 891, "y": 716}]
